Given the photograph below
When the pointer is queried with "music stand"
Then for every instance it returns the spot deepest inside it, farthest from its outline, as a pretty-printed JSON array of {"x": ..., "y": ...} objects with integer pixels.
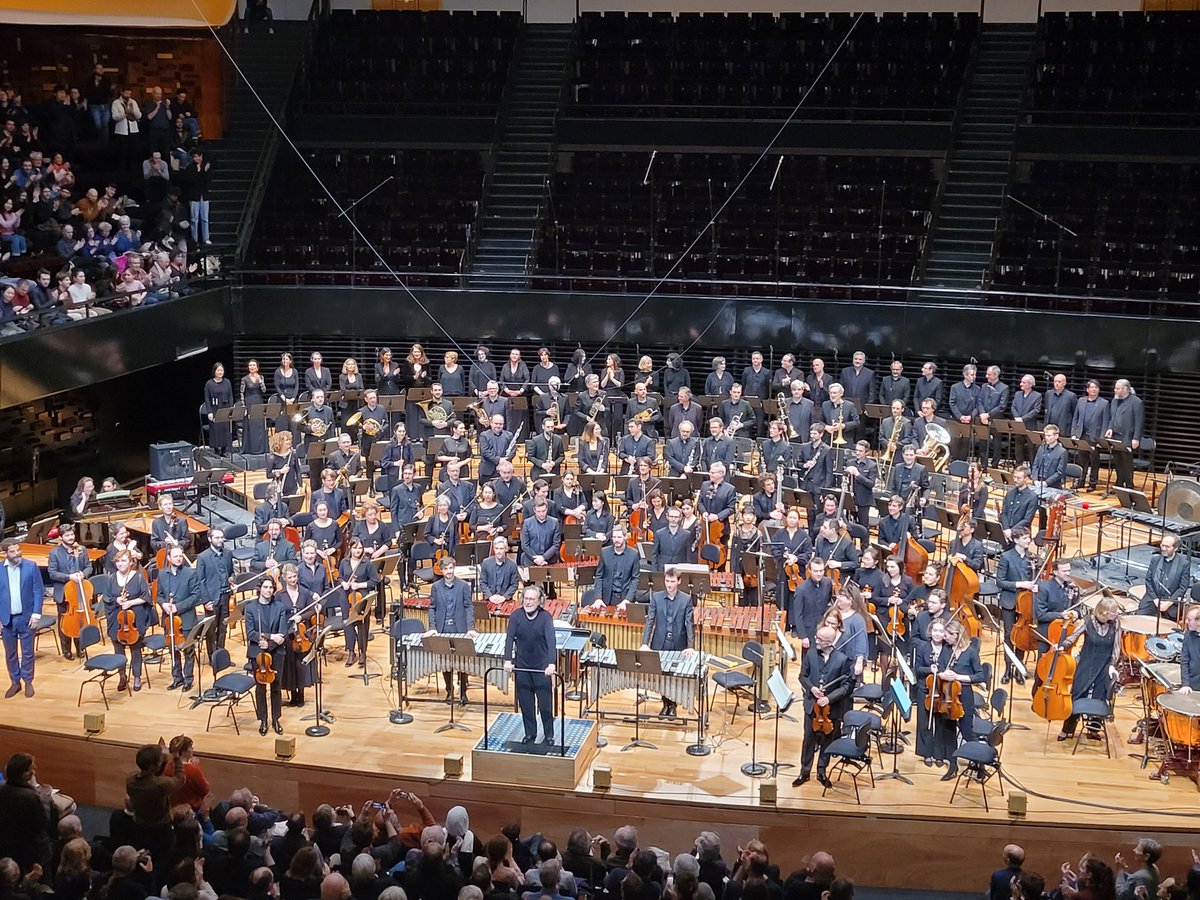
[
  {"x": 198, "y": 632},
  {"x": 321, "y": 715},
  {"x": 901, "y": 708},
  {"x": 227, "y": 416},
  {"x": 360, "y": 615},
  {"x": 784, "y": 698},
  {"x": 393, "y": 403},
  {"x": 638, "y": 663},
  {"x": 755, "y": 769},
  {"x": 451, "y": 647},
  {"x": 203, "y": 482}
]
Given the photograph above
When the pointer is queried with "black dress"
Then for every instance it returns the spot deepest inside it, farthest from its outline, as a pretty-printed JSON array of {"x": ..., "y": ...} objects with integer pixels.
[
  {"x": 1092, "y": 678},
  {"x": 218, "y": 395},
  {"x": 254, "y": 431},
  {"x": 295, "y": 674},
  {"x": 288, "y": 388},
  {"x": 387, "y": 381}
]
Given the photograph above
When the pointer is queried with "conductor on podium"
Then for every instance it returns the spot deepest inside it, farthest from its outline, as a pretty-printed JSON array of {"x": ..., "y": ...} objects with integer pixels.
[{"x": 529, "y": 648}]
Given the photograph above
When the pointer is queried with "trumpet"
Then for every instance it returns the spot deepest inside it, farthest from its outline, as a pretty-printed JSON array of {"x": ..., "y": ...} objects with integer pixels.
[{"x": 597, "y": 408}]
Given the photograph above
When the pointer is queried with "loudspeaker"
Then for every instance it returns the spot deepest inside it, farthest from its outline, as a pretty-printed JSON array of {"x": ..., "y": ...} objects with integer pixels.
[
  {"x": 601, "y": 778},
  {"x": 452, "y": 765},
  {"x": 171, "y": 461},
  {"x": 285, "y": 748},
  {"x": 1018, "y": 804},
  {"x": 93, "y": 723},
  {"x": 768, "y": 792}
]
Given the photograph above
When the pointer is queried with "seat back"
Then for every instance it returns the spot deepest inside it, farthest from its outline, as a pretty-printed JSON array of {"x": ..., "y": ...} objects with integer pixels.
[
  {"x": 233, "y": 532},
  {"x": 752, "y": 652},
  {"x": 220, "y": 661},
  {"x": 999, "y": 701},
  {"x": 88, "y": 637}
]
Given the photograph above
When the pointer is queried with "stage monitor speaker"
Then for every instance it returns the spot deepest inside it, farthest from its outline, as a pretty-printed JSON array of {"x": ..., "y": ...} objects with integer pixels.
[
  {"x": 601, "y": 777},
  {"x": 285, "y": 748},
  {"x": 1018, "y": 804},
  {"x": 452, "y": 765},
  {"x": 171, "y": 461},
  {"x": 93, "y": 723}
]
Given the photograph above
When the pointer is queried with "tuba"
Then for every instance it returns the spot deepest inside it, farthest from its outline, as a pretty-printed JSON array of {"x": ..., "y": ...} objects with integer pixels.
[{"x": 936, "y": 447}]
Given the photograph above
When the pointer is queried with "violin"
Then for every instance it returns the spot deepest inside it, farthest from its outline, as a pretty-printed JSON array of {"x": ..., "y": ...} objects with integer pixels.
[
  {"x": 127, "y": 631},
  {"x": 302, "y": 640},
  {"x": 895, "y": 626},
  {"x": 794, "y": 575},
  {"x": 264, "y": 672},
  {"x": 822, "y": 720},
  {"x": 78, "y": 596},
  {"x": 1052, "y": 699}
]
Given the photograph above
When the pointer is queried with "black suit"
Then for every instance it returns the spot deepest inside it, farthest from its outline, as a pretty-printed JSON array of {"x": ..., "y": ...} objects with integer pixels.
[
  {"x": 819, "y": 671},
  {"x": 616, "y": 577},
  {"x": 1126, "y": 419},
  {"x": 1018, "y": 508},
  {"x": 672, "y": 548}
]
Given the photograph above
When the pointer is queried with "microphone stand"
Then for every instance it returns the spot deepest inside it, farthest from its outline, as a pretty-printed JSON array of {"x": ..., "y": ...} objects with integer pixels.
[
  {"x": 700, "y": 748},
  {"x": 1062, "y": 229}
]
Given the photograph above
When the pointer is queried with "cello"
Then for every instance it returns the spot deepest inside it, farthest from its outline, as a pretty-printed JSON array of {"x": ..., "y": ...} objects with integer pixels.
[
  {"x": 1024, "y": 631},
  {"x": 78, "y": 595},
  {"x": 962, "y": 586},
  {"x": 1052, "y": 699}
]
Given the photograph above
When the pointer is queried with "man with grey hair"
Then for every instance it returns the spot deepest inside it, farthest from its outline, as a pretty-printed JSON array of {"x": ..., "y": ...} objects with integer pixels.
[
  {"x": 1126, "y": 421},
  {"x": 335, "y": 887},
  {"x": 549, "y": 880},
  {"x": 625, "y": 842},
  {"x": 365, "y": 881},
  {"x": 713, "y": 870}
]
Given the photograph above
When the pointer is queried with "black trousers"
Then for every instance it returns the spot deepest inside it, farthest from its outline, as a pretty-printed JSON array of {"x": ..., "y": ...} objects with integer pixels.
[
  {"x": 216, "y": 634},
  {"x": 260, "y": 700},
  {"x": 1089, "y": 462},
  {"x": 815, "y": 744},
  {"x": 534, "y": 696},
  {"x": 1123, "y": 466}
]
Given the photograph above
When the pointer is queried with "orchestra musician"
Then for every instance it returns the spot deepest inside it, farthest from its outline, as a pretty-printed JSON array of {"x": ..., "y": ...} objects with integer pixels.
[
  {"x": 1020, "y": 504},
  {"x": 493, "y": 446},
  {"x": 937, "y": 609},
  {"x": 599, "y": 522},
  {"x": 514, "y": 382},
  {"x": 1014, "y": 572},
  {"x": 637, "y": 491},
  {"x": 818, "y": 383},
  {"x": 895, "y": 386},
  {"x": 324, "y": 532},
  {"x": 670, "y": 626},
  {"x": 896, "y": 430},
  {"x": 592, "y": 455},
  {"x": 178, "y": 595},
  {"x": 898, "y": 526},
  {"x": 272, "y": 507},
  {"x": 810, "y": 601},
  {"x": 747, "y": 538},
  {"x": 84, "y": 494},
  {"x": 404, "y": 501},
  {"x": 682, "y": 452},
  {"x": 434, "y": 424},
  {"x": 926, "y": 416},
  {"x": 756, "y": 381},
  {"x": 416, "y": 371},
  {"x": 569, "y": 500},
  {"x": 1189, "y": 654},
  {"x": 719, "y": 380},
  {"x": 863, "y": 472},
  {"x": 168, "y": 529},
  {"x": 508, "y": 486},
  {"x": 775, "y": 453},
  {"x": 964, "y": 406},
  {"x": 827, "y": 677},
  {"x": 719, "y": 447},
  {"x": 839, "y": 415},
  {"x": 617, "y": 574},
  {"x": 966, "y": 547},
  {"x": 767, "y": 502},
  {"x": 396, "y": 455},
  {"x": 127, "y": 588},
  {"x": 800, "y": 411},
  {"x": 973, "y": 493},
  {"x": 311, "y": 573},
  {"x": 273, "y": 550},
  {"x": 814, "y": 461},
  {"x": 591, "y": 404},
  {"x": 553, "y": 404},
  {"x": 218, "y": 395},
  {"x": 350, "y": 380},
  {"x": 852, "y": 637},
  {"x": 346, "y": 462},
  {"x": 283, "y": 464},
  {"x": 498, "y": 576},
  {"x": 357, "y": 574},
  {"x": 252, "y": 391},
  {"x": 673, "y": 544},
  {"x": 315, "y": 424},
  {"x": 387, "y": 373},
  {"x": 685, "y": 410},
  {"x": 1058, "y": 404},
  {"x": 297, "y": 674},
  {"x": 1090, "y": 423},
  {"x": 267, "y": 627},
  {"x": 645, "y": 410},
  {"x": 1050, "y": 462},
  {"x": 910, "y": 479},
  {"x": 546, "y": 452},
  {"x": 541, "y": 491},
  {"x": 317, "y": 377},
  {"x": 635, "y": 447},
  {"x": 993, "y": 404},
  {"x": 785, "y": 374},
  {"x": 214, "y": 582},
  {"x": 868, "y": 576},
  {"x": 487, "y": 517},
  {"x": 717, "y": 496},
  {"x": 483, "y": 370},
  {"x": 441, "y": 529},
  {"x": 529, "y": 652},
  {"x": 455, "y": 453},
  {"x": 69, "y": 561},
  {"x": 736, "y": 413},
  {"x": 950, "y": 655},
  {"x": 330, "y": 494},
  {"x": 1026, "y": 408},
  {"x": 675, "y": 376},
  {"x": 121, "y": 540},
  {"x": 858, "y": 381},
  {"x": 541, "y": 537},
  {"x": 1168, "y": 581},
  {"x": 376, "y": 536},
  {"x": 1096, "y": 663},
  {"x": 928, "y": 387},
  {"x": 543, "y": 373},
  {"x": 286, "y": 382},
  {"x": 1126, "y": 420},
  {"x": 1054, "y": 597},
  {"x": 451, "y": 612}
]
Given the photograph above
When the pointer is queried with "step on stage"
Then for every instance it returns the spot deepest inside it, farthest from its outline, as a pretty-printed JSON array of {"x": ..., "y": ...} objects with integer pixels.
[{"x": 670, "y": 795}]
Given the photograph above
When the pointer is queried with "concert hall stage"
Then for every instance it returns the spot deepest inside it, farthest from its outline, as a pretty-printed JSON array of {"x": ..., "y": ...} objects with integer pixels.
[{"x": 901, "y": 836}]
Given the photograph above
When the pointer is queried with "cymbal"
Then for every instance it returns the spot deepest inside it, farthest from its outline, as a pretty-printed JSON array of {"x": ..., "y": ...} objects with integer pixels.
[{"x": 1181, "y": 500}]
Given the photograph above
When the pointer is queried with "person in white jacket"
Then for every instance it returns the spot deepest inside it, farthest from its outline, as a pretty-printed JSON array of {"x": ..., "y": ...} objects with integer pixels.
[{"x": 125, "y": 116}]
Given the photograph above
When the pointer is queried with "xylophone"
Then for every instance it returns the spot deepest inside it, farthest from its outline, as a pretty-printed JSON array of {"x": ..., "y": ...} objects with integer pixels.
[
  {"x": 678, "y": 681},
  {"x": 726, "y": 629},
  {"x": 489, "y": 650}
]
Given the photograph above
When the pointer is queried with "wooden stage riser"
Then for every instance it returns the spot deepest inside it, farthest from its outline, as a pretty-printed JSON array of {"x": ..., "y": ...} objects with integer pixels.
[{"x": 927, "y": 851}]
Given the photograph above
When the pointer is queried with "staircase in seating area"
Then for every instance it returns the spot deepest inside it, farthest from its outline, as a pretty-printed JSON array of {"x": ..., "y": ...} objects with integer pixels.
[
  {"x": 269, "y": 62},
  {"x": 510, "y": 212},
  {"x": 960, "y": 247}
]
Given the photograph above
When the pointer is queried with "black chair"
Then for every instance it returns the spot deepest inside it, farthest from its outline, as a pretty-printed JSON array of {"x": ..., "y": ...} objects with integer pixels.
[
  {"x": 1095, "y": 713},
  {"x": 852, "y": 751},
  {"x": 739, "y": 683},
  {"x": 102, "y": 666},
  {"x": 981, "y": 761},
  {"x": 229, "y": 688},
  {"x": 983, "y": 727},
  {"x": 234, "y": 533}
]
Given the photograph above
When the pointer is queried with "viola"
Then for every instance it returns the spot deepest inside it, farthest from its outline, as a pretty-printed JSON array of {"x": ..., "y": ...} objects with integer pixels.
[
  {"x": 821, "y": 721},
  {"x": 127, "y": 630},
  {"x": 895, "y": 626},
  {"x": 78, "y": 597},
  {"x": 943, "y": 697},
  {"x": 264, "y": 672},
  {"x": 173, "y": 625},
  {"x": 714, "y": 533},
  {"x": 794, "y": 575},
  {"x": 302, "y": 640}
]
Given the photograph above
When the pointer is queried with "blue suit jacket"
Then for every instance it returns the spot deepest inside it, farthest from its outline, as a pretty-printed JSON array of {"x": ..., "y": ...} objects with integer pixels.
[{"x": 31, "y": 594}]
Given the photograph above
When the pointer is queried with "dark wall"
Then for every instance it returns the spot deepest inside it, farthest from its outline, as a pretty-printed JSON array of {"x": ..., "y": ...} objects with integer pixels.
[{"x": 1084, "y": 140}]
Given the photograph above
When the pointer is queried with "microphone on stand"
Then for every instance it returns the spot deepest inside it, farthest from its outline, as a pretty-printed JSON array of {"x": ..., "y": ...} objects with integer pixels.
[{"x": 649, "y": 166}]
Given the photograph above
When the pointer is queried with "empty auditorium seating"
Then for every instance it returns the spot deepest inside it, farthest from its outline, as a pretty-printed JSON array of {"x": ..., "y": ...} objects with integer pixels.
[
  {"x": 893, "y": 65},
  {"x": 827, "y": 219},
  {"x": 379, "y": 61},
  {"x": 420, "y": 220},
  {"x": 1136, "y": 227},
  {"x": 1130, "y": 66}
]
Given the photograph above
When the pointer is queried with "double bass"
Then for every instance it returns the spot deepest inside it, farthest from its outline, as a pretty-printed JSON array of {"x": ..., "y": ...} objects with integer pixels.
[{"x": 962, "y": 586}]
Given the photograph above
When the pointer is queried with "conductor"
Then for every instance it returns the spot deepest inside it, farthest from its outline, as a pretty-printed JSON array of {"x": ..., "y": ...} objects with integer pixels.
[{"x": 529, "y": 648}]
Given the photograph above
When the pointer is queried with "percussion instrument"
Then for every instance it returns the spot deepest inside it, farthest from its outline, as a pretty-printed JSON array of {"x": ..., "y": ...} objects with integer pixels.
[
  {"x": 1158, "y": 678},
  {"x": 1161, "y": 650},
  {"x": 1124, "y": 603},
  {"x": 1175, "y": 639},
  {"x": 677, "y": 681},
  {"x": 1181, "y": 720},
  {"x": 489, "y": 652},
  {"x": 1134, "y": 631}
]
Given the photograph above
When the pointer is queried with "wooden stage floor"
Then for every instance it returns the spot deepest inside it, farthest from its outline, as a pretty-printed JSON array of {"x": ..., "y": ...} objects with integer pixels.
[{"x": 669, "y": 794}]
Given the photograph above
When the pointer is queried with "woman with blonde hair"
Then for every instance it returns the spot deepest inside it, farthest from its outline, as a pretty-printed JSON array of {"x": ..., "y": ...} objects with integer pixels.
[{"x": 1096, "y": 665}]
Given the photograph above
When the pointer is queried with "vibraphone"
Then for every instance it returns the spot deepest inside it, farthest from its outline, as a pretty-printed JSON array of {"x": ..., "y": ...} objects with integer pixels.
[
  {"x": 726, "y": 629},
  {"x": 417, "y": 607},
  {"x": 679, "y": 681},
  {"x": 489, "y": 650}
]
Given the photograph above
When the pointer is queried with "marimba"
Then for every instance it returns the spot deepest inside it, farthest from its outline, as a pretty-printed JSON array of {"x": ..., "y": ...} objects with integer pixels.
[
  {"x": 726, "y": 629},
  {"x": 679, "y": 681},
  {"x": 489, "y": 650}
]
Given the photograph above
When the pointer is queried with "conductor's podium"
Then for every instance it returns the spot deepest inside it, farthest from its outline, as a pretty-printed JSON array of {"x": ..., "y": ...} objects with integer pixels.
[{"x": 500, "y": 757}]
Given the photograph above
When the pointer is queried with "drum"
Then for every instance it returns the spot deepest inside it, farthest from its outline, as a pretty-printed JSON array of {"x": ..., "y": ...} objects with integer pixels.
[
  {"x": 1161, "y": 650},
  {"x": 1125, "y": 603},
  {"x": 1135, "y": 630},
  {"x": 1176, "y": 640},
  {"x": 1181, "y": 719},
  {"x": 1158, "y": 678}
]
